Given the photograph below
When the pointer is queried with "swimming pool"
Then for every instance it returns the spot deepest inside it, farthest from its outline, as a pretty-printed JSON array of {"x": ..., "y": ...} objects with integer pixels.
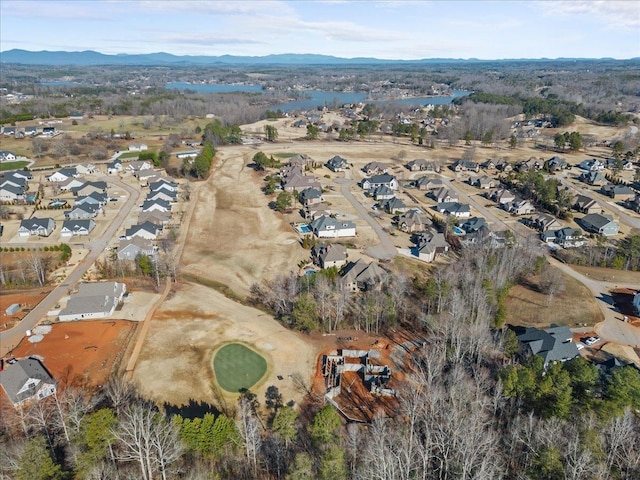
[
  {"x": 303, "y": 229},
  {"x": 458, "y": 231}
]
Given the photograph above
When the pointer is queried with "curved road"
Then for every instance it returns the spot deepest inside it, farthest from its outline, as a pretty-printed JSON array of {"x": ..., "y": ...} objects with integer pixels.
[{"x": 9, "y": 339}]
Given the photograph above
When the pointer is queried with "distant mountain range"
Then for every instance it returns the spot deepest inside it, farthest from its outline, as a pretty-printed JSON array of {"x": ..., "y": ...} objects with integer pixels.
[{"x": 90, "y": 57}]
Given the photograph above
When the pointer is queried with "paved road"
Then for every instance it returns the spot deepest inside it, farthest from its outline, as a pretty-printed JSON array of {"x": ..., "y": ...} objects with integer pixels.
[
  {"x": 385, "y": 249},
  {"x": 9, "y": 339},
  {"x": 612, "y": 328}
]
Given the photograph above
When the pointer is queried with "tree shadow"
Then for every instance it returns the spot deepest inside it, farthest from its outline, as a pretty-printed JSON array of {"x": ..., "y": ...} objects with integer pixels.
[{"x": 191, "y": 410}]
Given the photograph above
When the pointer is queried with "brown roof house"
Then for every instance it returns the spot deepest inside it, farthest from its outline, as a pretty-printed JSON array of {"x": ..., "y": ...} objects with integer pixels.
[{"x": 360, "y": 276}]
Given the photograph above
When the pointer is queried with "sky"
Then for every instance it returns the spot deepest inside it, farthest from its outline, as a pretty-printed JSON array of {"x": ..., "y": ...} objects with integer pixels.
[{"x": 382, "y": 29}]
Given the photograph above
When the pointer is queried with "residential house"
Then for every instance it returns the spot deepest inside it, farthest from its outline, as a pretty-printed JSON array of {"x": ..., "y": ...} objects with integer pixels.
[
  {"x": 632, "y": 204},
  {"x": 86, "y": 168},
  {"x": 382, "y": 193},
  {"x": 570, "y": 237},
  {"x": 595, "y": 177},
  {"x": 25, "y": 174},
  {"x": 472, "y": 225},
  {"x": 299, "y": 183},
  {"x": 380, "y": 180},
  {"x": 163, "y": 184},
  {"x": 131, "y": 248},
  {"x": 187, "y": 154},
  {"x": 311, "y": 196},
  {"x": 63, "y": 174},
  {"x": 289, "y": 171},
  {"x": 26, "y": 380},
  {"x": 8, "y": 131},
  {"x": 427, "y": 183},
  {"x": 443, "y": 194},
  {"x": 14, "y": 181},
  {"x": 42, "y": 227},
  {"x": 618, "y": 192},
  {"x": 586, "y": 204},
  {"x": 49, "y": 131},
  {"x": 556, "y": 163},
  {"x": 9, "y": 193},
  {"x": 327, "y": 255},
  {"x": 592, "y": 165},
  {"x": 317, "y": 210},
  {"x": 159, "y": 205},
  {"x": 115, "y": 167},
  {"x": 7, "y": 156},
  {"x": 518, "y": 207},
  {"x": 31, "y": 131},
  {"x": 155, "y": 216},
  {"x": 93, "y": 300},
  {"x": 422, "y": 165},
  {"x": 84, "y": 211},
  {"x": 393, "y": 205},
  {"x": 147, "y": 230},
  {"x": 375, "y": 168},
  {"x": 87, "y": 188},
  {"x": 147, "y": 176},
  {"x": 359, "y": 276},
  {"x": 77, "y": 227},
  {"x": 329, "y": 227},
  {"x": 138, "y": 147},
  {"x": 544, "y": 221},
  {"x": 600, "y": 224},
  {"x": 171, "y": 197},
  {"x": 484, "y": 182},
  {"x": 502, "y": 196},
  {"x": 551, "y": 344},
  {"x": 454, "y": 209},
  {"x": 428, "y": 245},
  {"x": 528, "y": 165},
  {"x": 337, "y": 164},
  {"x": 488, "y": 165},
  {"x": 137, "y": 166},
  {"x": 465, "y": 166},
  {"x": 504, "y": 166},
  {"x": 413, "y": 221},
  {"x": 71, "y": 183},
  {"x": 94, "y": 198},
  {"x": 628, "y": 166},
  {"x": 302, "y": 160}
]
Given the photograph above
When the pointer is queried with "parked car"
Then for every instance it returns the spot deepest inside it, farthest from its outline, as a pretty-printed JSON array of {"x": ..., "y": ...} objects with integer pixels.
[{"x": 592, "y": 340}]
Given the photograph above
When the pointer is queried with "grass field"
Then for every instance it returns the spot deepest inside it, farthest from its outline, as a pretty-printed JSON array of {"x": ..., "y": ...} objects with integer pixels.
[
  {"x": 237, "y": 367},
  {"x": 126, "y": 155},
  {"x": 12, "y": 165}
]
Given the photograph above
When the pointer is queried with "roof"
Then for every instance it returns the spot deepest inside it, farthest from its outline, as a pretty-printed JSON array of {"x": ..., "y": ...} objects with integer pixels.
[
  {"x": 380, "y": 179},
  {"x": 146, "y": 226},
  {"x": 331, "y": 252},
  {"x": 325, "y": 222},
  {"x": 551, "y": 344},
  {"x": 473, "y": 224},
  {"x": 394, "y": 204},
  {"x": 596, "y": 220},
  {"x": 94, "y": 297},
  {"x": 455, "y": 207},
  {"x": 361, "y": 272},
  {"x": 14, "y": 377},
  {"x": 12, "y": 189},
  {"x": 78, "y": 225},
  {"x": 35, "y": 223},
  {"x": 309, "y": 194},
  {"x": 413, "y": 217}
]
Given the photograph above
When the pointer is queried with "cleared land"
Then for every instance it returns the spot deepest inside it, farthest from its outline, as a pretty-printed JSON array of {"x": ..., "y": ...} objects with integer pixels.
[
  {"x": 81, "y": 353},
  {"x": 26, "y": 299},
  {"x": 238, "y": 368}
]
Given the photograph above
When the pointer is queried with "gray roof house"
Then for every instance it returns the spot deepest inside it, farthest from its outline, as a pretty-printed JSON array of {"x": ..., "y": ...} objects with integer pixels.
[
  {"x": 473, "y": 224},
  {"x": 375, "y": 168},
  {"x": 552, "y": 344},
  {"x": 443, "y": 194},
  {"x": 393, "y": 205},
  {"x": 618, "y": 192},
  {"x": 88, "y": 188},
  {"x": 484, "y": 182},
  {"x": 600, "y": 224},
  {"x": 327, "y": 255},
  {"x": 329, "y": 227},
  {"x": 544, "y": 221},
  {"x": 159, "y": 205},
  {"x": 77, "y": 227},
  {"x": 337, "y": 164},
  {"x": 465, "y": 166},
  {"x": 94, "y": 198},
  {"x": 586, "y": 204},
  {"x": 380, "y": 180},
  {"x": 166, "y": 195},
  {"x": 155, "y": 216},
  {"x": 300, "y": 182},
  {"x": 502, "y": 196},
  {"x": 114, "y": 167},
  {"x": 63, "y": 174},
  {"x": 93, "y": 300},
  {"x": 14, "y": 181},
  {"x": 428, "y": 245},
  {"x": 27, "y": 380},
  {"x": 10, "y": 193},
  {"x": 316, "y": 210},
  {"x": 310, "y": 196},
  {"x": 413, "y": 221},
  {"x": 382, "y": 193},
  {"x": 427, "y": 183},
  {"x": 37, "y": 226},
  {"x": 130, "y": 249},
  {"x": 422, "y": 165},
  {"x": 7, "y": 156},
  {"x": 82, "y": 212},
  {"x": 455, "y": 209},
  {"x": 360, "y": 276},
  {"x": 163, "y": 184},
  {"x": 595, "y": 177},
  {"x": 146, "y": 230}
]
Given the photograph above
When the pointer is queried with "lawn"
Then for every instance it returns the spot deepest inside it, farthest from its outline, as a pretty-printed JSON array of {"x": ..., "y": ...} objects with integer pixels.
[
  {"x": 125, "y": 155},
  {"x": 284, "y": 155},
  {"x": 237, "y": 367},
  {"x": 13, "y": 165}
]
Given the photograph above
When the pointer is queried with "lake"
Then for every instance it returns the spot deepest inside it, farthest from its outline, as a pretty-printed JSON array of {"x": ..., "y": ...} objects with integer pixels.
[
  {"x": 316, "y": 98},
  {"x": 60, "y": 83}
]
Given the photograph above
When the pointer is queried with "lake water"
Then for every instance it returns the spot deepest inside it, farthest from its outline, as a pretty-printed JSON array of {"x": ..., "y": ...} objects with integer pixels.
[
  {"x": 60, "y": 83},
  {"x": 316, "y": 98}
]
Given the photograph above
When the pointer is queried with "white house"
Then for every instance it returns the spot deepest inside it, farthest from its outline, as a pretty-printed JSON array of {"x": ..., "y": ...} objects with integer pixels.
[
  {"x": 6, "y": 156},
  {"x": 27, "y": 380},
  {"x": 138, "y": 147},
  {"x": 9, "y": 193},
  {"x": 93, "y": 300},
  {"x": 85, "y": 168},
  {"x": 36, "y": 226},
  {"x": 63, "y": 174},
  {"x": 329, "y": 227},
  {"x": 146, "y": 230},
  {"x": 77, "y": 227},
  {"x": 159, "y": 205}
]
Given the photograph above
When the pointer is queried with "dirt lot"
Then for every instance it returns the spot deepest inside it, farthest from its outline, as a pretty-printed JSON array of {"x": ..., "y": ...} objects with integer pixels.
[
  {"x": 576, "y": 305},
  {"x": 27, "y": 300},
  {"x": 82, "y": 353},
  {"x": 175, "y": 364}
]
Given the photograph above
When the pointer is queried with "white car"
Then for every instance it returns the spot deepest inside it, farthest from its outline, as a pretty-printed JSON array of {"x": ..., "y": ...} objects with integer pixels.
[
  {"x": 579, "y": 346},
  {"x": 591, "y": 340}
]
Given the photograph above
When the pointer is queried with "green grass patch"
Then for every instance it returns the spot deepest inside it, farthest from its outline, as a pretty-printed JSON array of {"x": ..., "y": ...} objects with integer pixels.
[
  {"x": 237, "y": 367},
  {"x": 125, "y": 155},
  {"x": 284, "y": 155},
  {"x": 13, "y": 165}
]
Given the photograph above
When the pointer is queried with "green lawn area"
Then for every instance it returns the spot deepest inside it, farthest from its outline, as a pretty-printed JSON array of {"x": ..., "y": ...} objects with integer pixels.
[
  {"x": 126, "y": 155},
  {"x": 13, "y": 165},
  {"x": 284, "y": 155},
  {"x": 237, "y": 367}
]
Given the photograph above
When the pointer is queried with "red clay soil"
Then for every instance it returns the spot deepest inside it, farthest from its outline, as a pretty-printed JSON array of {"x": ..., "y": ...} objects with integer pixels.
[
  {"x": 81, "y": 353},
  {"x": 27, "y": 300}
]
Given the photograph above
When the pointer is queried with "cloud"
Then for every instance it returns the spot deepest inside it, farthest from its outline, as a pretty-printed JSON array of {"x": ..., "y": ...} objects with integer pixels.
[
  {"x": 614, "y": 13},
  {"x": 55, "y": 10}
]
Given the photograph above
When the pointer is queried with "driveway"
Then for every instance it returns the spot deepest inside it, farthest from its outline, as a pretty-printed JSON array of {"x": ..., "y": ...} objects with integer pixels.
[
  {"x": 385, "y": 249},
  {"x": 9, "y": 339}
]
